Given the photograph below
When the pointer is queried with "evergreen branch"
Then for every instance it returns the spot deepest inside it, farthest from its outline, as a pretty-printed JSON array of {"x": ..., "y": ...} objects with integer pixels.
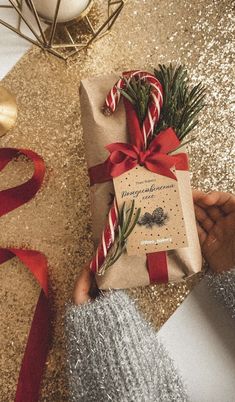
[
  {"x": 181, "y": 105},
  {"x": 127, "y": 96},
  {"x": 137, "y": 92},
  {"x": 127, "y": 222},
  {"x": 135, "y": 220},
  {"x": 181, "y": 145}
]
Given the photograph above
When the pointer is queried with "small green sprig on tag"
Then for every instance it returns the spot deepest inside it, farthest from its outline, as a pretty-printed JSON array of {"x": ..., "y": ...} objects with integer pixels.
[{"x": 127, "y": 218}]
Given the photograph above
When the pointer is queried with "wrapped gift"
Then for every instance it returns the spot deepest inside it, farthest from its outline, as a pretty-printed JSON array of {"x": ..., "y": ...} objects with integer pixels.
[{"x": 100, "y": 131}]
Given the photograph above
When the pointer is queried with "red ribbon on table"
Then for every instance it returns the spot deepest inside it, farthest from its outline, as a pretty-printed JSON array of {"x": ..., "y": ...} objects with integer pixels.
[
  {"x": 38, "y": 340},
  {"x": 156, "y": 158},
  {"x": 15, "y": 197}
]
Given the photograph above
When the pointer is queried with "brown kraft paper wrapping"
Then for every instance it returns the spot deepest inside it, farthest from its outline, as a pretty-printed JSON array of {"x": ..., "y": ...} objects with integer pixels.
[{"x": 99, "y": 131}]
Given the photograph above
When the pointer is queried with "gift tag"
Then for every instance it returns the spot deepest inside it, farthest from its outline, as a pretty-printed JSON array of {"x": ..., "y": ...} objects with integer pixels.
[{"x": 161, "y": 224}]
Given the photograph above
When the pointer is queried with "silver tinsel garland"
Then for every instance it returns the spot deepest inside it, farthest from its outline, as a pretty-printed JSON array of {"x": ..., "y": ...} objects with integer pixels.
[{"x": 223, "y": 287}]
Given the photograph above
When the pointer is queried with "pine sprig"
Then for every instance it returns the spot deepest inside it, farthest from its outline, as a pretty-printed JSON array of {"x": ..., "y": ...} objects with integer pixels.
[
  {"x": 181, "y": 104},
  {"x": 137, "y": 92},
  {"x": 127, "y": 219}
]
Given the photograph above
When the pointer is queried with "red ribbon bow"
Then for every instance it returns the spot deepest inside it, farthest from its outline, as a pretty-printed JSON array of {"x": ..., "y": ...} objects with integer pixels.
[{"x": 124, "y": 156}]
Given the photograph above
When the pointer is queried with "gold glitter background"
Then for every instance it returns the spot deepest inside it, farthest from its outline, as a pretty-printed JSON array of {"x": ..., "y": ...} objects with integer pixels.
[{"x": 57, "y": 222}]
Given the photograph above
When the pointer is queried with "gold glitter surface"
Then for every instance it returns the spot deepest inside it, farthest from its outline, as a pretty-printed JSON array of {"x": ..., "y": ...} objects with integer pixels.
[{"x": 57, "y": 222}]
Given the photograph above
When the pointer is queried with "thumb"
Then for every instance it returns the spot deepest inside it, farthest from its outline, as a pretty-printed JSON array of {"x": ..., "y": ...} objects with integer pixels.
[{"x": 82, "y": 286}]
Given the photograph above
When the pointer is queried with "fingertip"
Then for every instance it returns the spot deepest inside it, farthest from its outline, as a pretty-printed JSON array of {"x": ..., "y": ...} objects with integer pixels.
[
  {"x": 197, "y": 195},
  {"x": 81, "y": 298},
  {"x": 210, "y": 198},
  {"x": 81, "y": 292},
  {"x": 82, "y": 286}
]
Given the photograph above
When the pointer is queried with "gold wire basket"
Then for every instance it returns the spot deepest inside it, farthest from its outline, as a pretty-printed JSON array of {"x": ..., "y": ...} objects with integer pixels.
[{"x": 63, "y": 39}]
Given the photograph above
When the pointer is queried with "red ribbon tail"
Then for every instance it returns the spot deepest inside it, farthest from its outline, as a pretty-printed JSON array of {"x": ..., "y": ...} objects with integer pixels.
[
  {"x": 157, "y": 267},
  {"x": 38, "y": 340},
  {"x": 35, "y": 355}
]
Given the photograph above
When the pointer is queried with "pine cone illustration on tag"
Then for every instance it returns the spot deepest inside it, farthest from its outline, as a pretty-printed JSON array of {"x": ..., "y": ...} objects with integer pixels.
[
  {"x": 146, "y": 220},
  {"x": 158, "y": 217}
]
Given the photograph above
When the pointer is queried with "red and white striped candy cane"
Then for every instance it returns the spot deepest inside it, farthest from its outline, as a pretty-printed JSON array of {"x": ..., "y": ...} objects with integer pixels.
[
  {"x": 155, "y": 104},
  {"x": 112, "y": 100},
  {"x": 107, "y": 239}
]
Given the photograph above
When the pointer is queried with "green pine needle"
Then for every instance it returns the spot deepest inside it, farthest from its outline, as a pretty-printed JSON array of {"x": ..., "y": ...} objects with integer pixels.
[
  {"x": 181, "y": 105},
  {"x": 137, "y": 92},
  {"x": 128, "y": 219}
]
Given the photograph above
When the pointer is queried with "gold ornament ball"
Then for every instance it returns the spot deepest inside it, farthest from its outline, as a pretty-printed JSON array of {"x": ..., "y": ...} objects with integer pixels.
[{"x": 8, "y": 111}]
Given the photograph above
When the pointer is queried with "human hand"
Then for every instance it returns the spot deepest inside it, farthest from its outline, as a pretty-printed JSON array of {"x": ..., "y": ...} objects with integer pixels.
[
  {"x": 215, "y": 214},
  {"x": 85, "y": 288}
]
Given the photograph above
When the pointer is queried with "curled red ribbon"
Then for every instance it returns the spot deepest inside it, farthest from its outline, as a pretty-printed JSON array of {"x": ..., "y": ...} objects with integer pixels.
[
  {"x": 14, "y": 197},
  {"x": 37, "y": 344}
]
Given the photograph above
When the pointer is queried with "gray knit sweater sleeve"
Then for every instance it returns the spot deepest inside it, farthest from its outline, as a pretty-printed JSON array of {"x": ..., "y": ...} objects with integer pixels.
[{"x": 114, "y": 355}]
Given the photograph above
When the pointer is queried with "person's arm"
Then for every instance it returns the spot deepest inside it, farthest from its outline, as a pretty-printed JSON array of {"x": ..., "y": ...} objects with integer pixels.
[{"x": 114, "y": 354}]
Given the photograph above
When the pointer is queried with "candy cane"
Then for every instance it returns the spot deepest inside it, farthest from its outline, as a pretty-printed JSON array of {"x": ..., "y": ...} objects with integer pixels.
[
  {"x": 153, "y": 114},
  {"x": 107, "y": 239},
  {"x": 155, "y": 104}
]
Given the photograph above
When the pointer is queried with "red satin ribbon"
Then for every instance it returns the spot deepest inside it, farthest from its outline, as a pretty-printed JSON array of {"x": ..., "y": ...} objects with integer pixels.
[
  {"x": 17, "y": 196},
  {"x": 37, "y": 345},
  {"x": 125, "y": 156},
  {"x": 157, "y": 267}
]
